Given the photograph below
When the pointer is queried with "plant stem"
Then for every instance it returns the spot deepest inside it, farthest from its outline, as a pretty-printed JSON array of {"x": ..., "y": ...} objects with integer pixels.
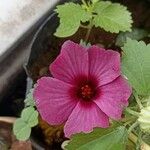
[
  {"x": 83, "y": 26},
  {"x": 139, "y": 140},
  {"x": 132, "y": 118},
  {"x": 132, "y": 112},
  {"x": 134, "y": 139},
  {"x": 138, "y": 100},
  {"x": 88, "y": 34},
  {"x": 135, "y": 124},
  {"x": 128, "y": 122},
  {"x": 88, "y": 31},
  {"x": 84, "y": 3}
]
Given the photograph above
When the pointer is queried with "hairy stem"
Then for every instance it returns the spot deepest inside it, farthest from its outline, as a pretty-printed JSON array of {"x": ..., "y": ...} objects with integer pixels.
[
  {"x": 139, "y": 140},
  {"x": 132, "y": 112},
  {"x": 138, "y": 100},
  {"x": 88, "y": 34},
  {"x": 134, "y": 139},
  {"x": 88, "y": 31},
  {"x": 135, "y": 124}
]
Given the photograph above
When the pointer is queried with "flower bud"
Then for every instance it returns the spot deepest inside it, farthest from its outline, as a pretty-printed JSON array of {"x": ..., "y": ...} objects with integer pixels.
[{"x": 144, "y": 119}]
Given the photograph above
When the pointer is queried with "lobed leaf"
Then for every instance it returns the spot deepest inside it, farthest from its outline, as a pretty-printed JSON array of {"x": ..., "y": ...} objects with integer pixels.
[
  {"x": 99, "y": 139},
  {"x": 71, "y": 15},
  {"x": 30, "y": 115},
  {"x": 21, "y": 129},
  {"x": 112, "y": 17},
  {"x": 22, "y": 126},
  {"x": 136, "y": 65}
]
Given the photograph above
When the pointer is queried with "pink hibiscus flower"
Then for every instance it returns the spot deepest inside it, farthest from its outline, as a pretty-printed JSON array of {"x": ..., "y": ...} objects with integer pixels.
[{"x": 87, "y": 89}]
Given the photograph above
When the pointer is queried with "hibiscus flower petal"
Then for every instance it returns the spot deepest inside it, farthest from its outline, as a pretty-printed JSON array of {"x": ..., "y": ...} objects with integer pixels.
[
  {"x": 114, "y": 97},
  {"x": 104, "y": 65},
  {"x": 84, "y": 117},
  {"x": 72, "y": 62},
  {"x": 53, "y": 100}
]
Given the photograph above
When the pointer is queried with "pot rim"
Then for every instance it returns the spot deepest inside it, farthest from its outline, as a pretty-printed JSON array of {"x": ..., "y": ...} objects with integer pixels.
[
  {"x": 7, "y": 119},
  {"x": 25, "y": 65}
]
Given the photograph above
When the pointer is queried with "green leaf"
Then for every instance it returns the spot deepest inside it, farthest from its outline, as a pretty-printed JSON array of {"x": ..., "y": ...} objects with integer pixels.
[
  {"x": 29, "y": 101},
  {"x": 70, "y": 15},
  {"x": 21, "y": 130},
  {"x": 30, "y": 116},
  {"x": 136, "y": 65},
  {"x": 135, "y": 34},
  {"x": 22, "y": 126},
  {"x": 92, "y": 140},
  {"x": 95, "y": 1},
  {"x": 112, "y": 17}
]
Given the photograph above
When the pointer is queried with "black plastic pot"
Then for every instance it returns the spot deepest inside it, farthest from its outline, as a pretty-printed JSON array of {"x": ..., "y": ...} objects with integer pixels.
[{"x": 39, "y": 43}]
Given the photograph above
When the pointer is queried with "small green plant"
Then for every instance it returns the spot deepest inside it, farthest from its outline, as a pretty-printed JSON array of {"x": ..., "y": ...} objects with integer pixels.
[
  {"x": 29, "y": 118},
  {"x": 112, "y": 17}
]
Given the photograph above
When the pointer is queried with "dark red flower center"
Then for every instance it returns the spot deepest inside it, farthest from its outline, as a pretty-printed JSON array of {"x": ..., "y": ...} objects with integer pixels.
[
  {"x": 86, "y": 88},
  {"x": 86, "y": 92}
]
